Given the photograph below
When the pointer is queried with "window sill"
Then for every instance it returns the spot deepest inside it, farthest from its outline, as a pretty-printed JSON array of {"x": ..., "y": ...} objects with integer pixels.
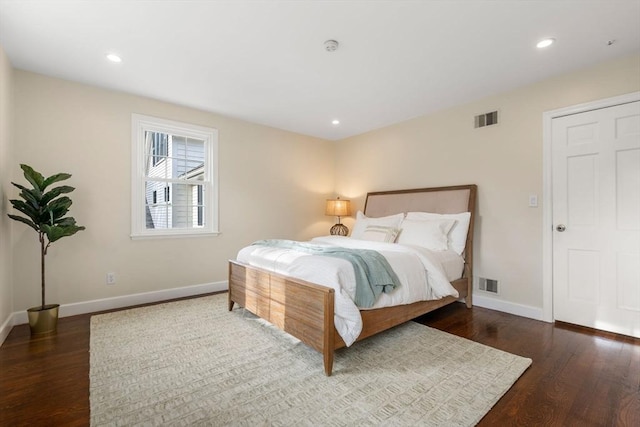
[{"x": 174, "y": 235}]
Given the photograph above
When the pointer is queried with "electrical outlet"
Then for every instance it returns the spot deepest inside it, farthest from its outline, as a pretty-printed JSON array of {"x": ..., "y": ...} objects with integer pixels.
[{"x": 111, "y": 278}]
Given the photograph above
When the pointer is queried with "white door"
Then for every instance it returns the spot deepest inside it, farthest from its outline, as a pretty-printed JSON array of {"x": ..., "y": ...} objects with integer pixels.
[{"x": 596, "y": 218}]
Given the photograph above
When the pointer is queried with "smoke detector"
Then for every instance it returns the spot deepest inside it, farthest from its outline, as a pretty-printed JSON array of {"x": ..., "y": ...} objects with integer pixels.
[{"x": 331, "y": 45}]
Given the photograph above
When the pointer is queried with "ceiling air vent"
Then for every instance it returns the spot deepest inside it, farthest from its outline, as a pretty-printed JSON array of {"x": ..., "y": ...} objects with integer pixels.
[{"x": 486, "y": 119}]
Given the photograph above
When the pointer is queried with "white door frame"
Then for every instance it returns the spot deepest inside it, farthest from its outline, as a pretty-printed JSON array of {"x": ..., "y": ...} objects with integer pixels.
[{"x": 547, "y": 206}]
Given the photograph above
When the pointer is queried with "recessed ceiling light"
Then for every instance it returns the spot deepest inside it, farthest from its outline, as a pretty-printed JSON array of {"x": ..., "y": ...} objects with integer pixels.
[
  {"x": 335, "y": 122},
  {"x": 114, "y": 58},
  {"x": 545, "y": 43}
]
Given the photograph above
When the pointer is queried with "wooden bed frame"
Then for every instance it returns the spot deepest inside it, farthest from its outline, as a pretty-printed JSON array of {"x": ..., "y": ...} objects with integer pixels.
[{"x": 306, "y": 310}]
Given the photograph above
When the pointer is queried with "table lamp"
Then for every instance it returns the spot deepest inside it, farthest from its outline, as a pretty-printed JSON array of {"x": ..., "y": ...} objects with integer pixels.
[{"x": 338, "y": 207}]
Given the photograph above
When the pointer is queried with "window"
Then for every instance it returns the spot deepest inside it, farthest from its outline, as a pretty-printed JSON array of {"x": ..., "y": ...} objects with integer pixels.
[{"x": 174, "y": 178}]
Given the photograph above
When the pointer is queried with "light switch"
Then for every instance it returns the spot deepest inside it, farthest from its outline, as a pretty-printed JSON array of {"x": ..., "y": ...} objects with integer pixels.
[{"x": 533, "y": 200}]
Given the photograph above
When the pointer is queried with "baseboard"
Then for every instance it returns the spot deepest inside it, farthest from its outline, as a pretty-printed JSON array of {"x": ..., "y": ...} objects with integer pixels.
[
  {"x": 507, "y": 307},
  {"x": 6, "y": 328},
  {"x": 93, "y": 306}
]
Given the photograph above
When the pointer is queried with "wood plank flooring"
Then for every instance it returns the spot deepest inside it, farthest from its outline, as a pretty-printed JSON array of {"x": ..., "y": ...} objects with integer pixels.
[{"x": 579, "y": 377}]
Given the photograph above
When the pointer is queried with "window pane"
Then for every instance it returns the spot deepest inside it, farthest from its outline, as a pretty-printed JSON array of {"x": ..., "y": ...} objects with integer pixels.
[
  {"x": 156, "y": 207},
  {"x": 187, "y": 157},
  {"x": 181, "y": 217},
  {"x": 173, "y": 156},
  {"x": 197, "y": 209},
  {"x": 156, "y": 153},
  {"x": 157, "y": 216},
  {"x": 157, "y": 147},
  {"x": 171, "y": 205}
]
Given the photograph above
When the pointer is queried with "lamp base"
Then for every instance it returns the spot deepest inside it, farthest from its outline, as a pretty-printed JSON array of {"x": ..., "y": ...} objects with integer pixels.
[{"x": 339, "y": 230}]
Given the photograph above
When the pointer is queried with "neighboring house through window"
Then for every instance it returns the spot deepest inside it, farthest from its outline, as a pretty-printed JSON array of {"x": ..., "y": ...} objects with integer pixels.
[
  {"x": 159, "y": 147},
  {"x": 174, "y": 185}
]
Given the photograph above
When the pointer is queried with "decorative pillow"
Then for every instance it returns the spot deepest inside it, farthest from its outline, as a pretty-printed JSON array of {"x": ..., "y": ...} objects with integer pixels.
[
  {"x": 377, "y": 233},
  {"x": 430, "y": 234},
  {"x": 363, "y": 221},
  {"x": 457, "y": 235}
]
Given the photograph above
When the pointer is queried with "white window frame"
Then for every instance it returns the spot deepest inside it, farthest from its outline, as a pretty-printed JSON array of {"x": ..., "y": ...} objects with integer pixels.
[{"x": 141, "y": 124}]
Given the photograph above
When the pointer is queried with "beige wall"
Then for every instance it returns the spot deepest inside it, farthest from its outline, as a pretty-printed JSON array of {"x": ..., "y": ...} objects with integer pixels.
[
  {"x": 272, "y": 184},
  {"x": 6, "y": 289},
  {"x": 505, "y": 161}
]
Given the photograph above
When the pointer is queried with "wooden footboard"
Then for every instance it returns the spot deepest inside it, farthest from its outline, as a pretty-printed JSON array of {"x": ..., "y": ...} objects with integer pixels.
[
  {"x": 302, "y": 309},
  {"x": 306, "y": 310}
]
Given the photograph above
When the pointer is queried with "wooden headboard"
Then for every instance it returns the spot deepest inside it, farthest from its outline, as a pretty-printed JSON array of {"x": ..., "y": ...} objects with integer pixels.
[{"x": 443, "y": 200}]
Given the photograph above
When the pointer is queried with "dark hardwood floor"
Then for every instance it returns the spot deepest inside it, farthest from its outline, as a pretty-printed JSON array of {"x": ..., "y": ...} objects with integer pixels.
[{"x": 579, "y": 377}]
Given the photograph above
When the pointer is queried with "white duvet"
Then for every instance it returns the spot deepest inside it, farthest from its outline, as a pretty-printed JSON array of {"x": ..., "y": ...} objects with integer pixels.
[{"x": 421, "y": 273}]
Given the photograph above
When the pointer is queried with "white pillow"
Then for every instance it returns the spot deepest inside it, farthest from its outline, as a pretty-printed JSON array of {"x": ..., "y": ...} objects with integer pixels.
[
  {"x": 363, "y": 221},
  {"x": 430, "y": 234},
  {"x": 457, "y": 235},
  {"x": 377, "y": 233}
]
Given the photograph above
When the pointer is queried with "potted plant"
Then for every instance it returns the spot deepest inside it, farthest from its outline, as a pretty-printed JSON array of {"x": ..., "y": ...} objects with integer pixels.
[{"x": 45, "y": 213}]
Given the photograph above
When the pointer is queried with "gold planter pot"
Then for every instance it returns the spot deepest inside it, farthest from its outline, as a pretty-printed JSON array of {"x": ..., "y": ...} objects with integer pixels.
[{"x": 43, "y": 320}]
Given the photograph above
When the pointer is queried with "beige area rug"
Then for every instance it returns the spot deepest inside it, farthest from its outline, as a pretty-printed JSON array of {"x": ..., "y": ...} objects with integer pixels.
[{"x": 193, "y": 362}]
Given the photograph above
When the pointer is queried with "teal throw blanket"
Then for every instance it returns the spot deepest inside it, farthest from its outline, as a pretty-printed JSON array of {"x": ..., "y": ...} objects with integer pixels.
[{"x": 373, "y": 273}]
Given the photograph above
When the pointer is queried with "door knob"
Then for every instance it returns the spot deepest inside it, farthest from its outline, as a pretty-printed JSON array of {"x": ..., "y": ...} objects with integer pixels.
[{"x": 561, "y": 228}]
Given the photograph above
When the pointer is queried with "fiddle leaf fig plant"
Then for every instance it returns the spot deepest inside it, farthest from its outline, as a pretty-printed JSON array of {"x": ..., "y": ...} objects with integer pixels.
[{"x": 45, "y": 211}]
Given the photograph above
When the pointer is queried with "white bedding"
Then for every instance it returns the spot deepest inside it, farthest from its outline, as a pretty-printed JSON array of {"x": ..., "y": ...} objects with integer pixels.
[{"x": 422, "y": 274}]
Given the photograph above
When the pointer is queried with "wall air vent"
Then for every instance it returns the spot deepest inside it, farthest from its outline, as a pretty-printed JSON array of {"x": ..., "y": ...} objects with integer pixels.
[
  {"x": 488, "y": 285},
  {"x": 486, "y": 119}
]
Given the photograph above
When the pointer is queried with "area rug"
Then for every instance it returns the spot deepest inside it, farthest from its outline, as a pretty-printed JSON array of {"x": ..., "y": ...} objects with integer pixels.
[{"x": 193, "y": 362}]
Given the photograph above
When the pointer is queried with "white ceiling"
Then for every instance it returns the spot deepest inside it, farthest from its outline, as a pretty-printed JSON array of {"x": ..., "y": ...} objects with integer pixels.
[{"x": 264, "y": 61}]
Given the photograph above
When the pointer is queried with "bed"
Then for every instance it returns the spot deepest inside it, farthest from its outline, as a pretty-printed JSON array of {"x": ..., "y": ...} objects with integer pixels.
[{"x": 306, "y": 310}]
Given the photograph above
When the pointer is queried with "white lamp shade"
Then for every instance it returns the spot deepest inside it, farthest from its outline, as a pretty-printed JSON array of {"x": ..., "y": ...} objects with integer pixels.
[{"x": 338, "y": 207}]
